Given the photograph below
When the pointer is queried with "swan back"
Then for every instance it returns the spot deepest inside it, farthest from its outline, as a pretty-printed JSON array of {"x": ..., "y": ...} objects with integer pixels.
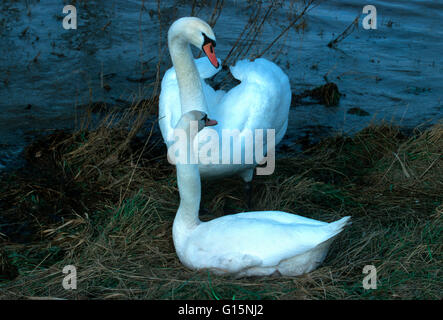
[
  {"x": 256, "y": 246},
  {"x": 265, "y": 84}
]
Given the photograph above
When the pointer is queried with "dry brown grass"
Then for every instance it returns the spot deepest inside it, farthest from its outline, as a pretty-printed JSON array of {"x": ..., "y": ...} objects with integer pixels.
[{"x": 123, "y": 248}]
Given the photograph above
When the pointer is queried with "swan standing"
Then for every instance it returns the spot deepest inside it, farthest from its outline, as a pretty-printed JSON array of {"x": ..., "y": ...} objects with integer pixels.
[
  {"x": 244, "y": 244},
  {"x": 260, "y": 101}
]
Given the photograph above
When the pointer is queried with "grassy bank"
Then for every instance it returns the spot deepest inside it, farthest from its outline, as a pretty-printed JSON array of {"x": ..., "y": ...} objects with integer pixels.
[{"x": 104, "y": 201}]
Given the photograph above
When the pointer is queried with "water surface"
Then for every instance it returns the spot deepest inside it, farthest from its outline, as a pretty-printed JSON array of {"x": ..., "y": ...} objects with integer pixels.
[{"x": 47, "y": 72}]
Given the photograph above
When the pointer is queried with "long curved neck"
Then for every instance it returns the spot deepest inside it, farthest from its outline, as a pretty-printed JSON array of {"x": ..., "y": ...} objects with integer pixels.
[
  {"x": 189, "y": 186},
  {"x": 188, "y": 78}
]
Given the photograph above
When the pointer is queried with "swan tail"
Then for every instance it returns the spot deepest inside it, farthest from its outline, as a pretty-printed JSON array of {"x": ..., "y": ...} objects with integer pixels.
[{"x": 336, "y": 227}]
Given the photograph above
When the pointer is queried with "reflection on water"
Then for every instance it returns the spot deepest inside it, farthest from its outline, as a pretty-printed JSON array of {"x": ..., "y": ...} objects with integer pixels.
[{"x": 393, "y": 73}]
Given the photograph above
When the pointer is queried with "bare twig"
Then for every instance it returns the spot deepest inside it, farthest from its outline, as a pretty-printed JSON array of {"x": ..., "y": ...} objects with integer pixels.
[
  {"x": 349, "y": 29},
  {"x": 305, "y": 9}
]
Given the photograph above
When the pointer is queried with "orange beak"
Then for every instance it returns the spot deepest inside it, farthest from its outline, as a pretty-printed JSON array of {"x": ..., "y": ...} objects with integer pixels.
[
  {"x": 209, "y": 51},
  {"x": 210, "y": 123}
]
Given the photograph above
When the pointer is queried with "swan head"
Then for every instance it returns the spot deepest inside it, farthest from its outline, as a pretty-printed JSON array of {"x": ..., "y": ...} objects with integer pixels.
[
  {"x": 201, "y": 119},
  {"x": 196, "y": 32}
]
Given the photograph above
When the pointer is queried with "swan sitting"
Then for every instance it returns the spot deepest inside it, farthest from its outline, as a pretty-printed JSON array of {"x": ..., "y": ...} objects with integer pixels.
[
  {"x": 244, "y": 244},
  {"x": 260, "y": 101}
]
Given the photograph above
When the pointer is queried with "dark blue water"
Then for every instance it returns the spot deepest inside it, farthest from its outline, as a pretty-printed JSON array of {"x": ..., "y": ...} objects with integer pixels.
[{"x": 47, "y": 73}]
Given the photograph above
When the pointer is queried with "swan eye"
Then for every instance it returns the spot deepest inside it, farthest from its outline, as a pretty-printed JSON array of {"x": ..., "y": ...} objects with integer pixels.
[
  {"x": 207, "y": 40},
  {"x": 208, "y": 49}
]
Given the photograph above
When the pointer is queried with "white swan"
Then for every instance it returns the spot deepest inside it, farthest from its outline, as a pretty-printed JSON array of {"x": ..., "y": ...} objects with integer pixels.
[
  {"x": 244, "y": 244},
  {"x": 260, "y": 101}
]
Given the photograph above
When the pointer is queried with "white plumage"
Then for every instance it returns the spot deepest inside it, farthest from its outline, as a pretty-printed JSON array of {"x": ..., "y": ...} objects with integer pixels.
[
  {"x": 259, "y": 243},
  {"x": 245, "y": 244},
  {"x": 260, "y": 101}
]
